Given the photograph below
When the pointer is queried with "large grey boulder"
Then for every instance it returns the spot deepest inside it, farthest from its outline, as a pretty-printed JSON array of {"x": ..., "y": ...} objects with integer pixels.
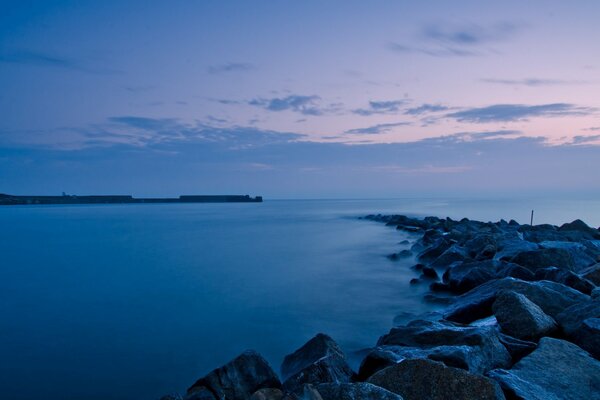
[
  {"x": 236, "y": 380},
  {"x": 355, "y": 391},
  {"x": 473, "y": 348},
  {"x": 551, "y": 297},
  {"x": 556, "y": 370},
  {"x": 320, "y": 360},
  {"x": 572, "y": 317},
  {"x": 520, "y": 317},
  {"x": 565, "y": 277},
  {"x": 468, "y": 275},
  {"x": 432, "y": 380}
]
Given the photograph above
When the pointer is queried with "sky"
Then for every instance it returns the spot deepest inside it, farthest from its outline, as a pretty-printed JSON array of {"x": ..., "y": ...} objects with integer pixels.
[{"x": 308, "y": 99}]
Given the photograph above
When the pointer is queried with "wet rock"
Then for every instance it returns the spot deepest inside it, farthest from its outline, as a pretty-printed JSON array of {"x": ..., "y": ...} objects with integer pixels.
[
  {"x": 355, "y": 391},
  {"x": 320, "y": 360},
  {"x": 565, "y": 277},
  {"x": 516, "y": 347},
  {"x": 453, "y": 254},
  {"x": 267, "y": 394},
  {"x": 476, "y": 349},
  {"x": 511, "y": 247},
  {"x": 435, "y": 250},
  {"x": 557, "y": 369},
  {"x": 426, "y": 379},
  {"x": 430, "y": 273},
  {"x": 466, "y": 276},
  {"x": 521, "y": 318},
  {"x": 572, "y": 317},
  {"x": 592, "y": 274},
  {"x": 587, "y": 336},
  {"x": 551, "y": 297},
  {"x": 583, "y": 253},
  {"x": 543, "y": 258},
  {"x": 238, "y": 379}
]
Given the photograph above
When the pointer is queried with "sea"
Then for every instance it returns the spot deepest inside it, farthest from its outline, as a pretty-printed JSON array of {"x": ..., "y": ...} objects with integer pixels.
[{"x": 136, "y": 301}]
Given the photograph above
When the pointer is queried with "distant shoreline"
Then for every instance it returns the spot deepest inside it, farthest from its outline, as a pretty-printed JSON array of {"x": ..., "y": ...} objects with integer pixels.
[{"x": 9, "y": 200}]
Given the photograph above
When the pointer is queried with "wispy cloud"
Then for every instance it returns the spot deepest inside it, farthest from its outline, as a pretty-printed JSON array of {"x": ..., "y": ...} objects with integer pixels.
[
  {"x": 377, "y": 129},
  {"x": 230, "y": 67},
  {"x": 381, "y": 107},
  {"x": 534, "y": 82},
  {"x": 517, "y": 112},
  {"x": 581, "y": 140},
  {"x": 306, "y": 105},
  {"x": 454, "y": 40},
  {"x": 426, "y": 108},
  {"x": 425, "y": 169},
  {"x": 41, "y": 59}
]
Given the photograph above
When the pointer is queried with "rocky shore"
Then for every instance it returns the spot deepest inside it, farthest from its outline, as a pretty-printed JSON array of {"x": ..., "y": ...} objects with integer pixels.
[{"x": 522, "y": 321}]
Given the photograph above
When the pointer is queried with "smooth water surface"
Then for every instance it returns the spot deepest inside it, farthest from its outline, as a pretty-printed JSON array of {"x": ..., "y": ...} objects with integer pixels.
[{"x": 135, "y": 301}]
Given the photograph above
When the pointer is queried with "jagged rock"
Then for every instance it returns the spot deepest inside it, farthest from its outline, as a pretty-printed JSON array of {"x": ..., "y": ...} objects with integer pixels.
[
  {"x": 267, "y": 394},
  {"x": 595, "y": 293},
  {"x": 236, "y": 380},
  {"x": 565, "y": 277},
  {"x": 451, "y": 255},
  {"x": 587, "y": 336},
  {"x": 432, "y": 380},
  {"x": 580, "y": 226},
  {"x": 556, "y": 370},
  {"x": 521, "y": 318},
  {"x": 543, "y": 258},
  {"x": 429, "y": 272},
  {"x": 551, "y": 297},
  {"x": 516, "y": 347},
  {"x": 509, "y": 248},
  {"x": 435, "y": 250},
  {"x": 320, "y": 360},
  {"x": 463, "y": 277},
  {"x": 572, "y": 317},
  {"x": 476, "y": 349},
  {"x": 592, "y": 274},
  {"x": 583, "y": 253},
  {"x": 355, "y": 391},
  {"x": 479, "y": 243}
]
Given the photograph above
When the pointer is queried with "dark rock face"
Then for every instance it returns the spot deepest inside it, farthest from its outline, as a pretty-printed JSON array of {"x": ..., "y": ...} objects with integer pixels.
[
  {"x": 581, "y": 227},
  {"x": 592, "y": 274},
  {"x": 519, "y": 317},
  {"x": 430, "y": 273},
  {"x": 516, "y": 347},
  {"x": 354, "y": 391},
  {"x": 426, "y": 379},
  {"x": 571, "y": 318},
  {"x": 267, "y": 394},
  {"x": 543, "y": 258},
  {"x": 587, "y": 336},
  {"x": 565, "y": 277},
  {"x": 474, "y": 348},
  {"x": 320, "y": 360},
  {"x": 236, "y": 380},
  {"x": 552, "y": 298},
  {"x": 557, "y": 369},
  {"x": 466, "y": 276}
]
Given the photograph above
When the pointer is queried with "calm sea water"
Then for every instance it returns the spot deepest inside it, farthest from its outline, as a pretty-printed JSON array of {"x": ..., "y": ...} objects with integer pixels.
[{"x": 135, "y": 301}]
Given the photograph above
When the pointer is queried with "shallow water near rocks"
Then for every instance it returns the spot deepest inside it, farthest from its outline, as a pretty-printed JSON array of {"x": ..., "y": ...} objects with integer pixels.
[{"x": 135, "y": 301}]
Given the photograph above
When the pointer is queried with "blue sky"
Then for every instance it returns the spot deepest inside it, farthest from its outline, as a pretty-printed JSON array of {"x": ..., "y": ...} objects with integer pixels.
[{"x": 300, "y": 99}]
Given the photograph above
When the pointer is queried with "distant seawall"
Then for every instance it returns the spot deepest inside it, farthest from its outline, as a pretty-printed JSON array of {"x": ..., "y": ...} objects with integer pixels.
[{"x": 7, "y": 200}]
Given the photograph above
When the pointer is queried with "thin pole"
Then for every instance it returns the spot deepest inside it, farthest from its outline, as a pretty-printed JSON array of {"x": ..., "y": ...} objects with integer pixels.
[{"x": 531, "y": 223}]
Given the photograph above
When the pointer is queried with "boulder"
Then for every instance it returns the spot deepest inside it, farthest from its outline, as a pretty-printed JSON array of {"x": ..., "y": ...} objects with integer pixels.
[
  {"x": 468, "y": 275},
  {"x": 521, "y": 318},
  {"x": 580, "y": 227},
  {"x": 451, "y": 255},
  {"x": 551, "y": 297},
  {"x": 542, "y": 258},
  {"x": 267, "y": 394},
  {"x": 572, "y": 317},
  {"x": 432, "y": 380},
  {"x": 434, "y": 250},
  {"x": 516, "y": 347},
  {"x": 592, "y": 274},
  {"x": 236, "y": 380},
  {"x": 565, "y": 277},
  {"x": 355, "y": 391},
  {"x": 556, "y": 370},
  {"x": 587, "y": 336},
  {"x": 595, "y": 293},
  {"x": 508, "y": 248},
  {"x": 583, "y": 253},
  {"x": 474, "y": 348},
  {"x": 430, "y": 273},
  {"x": 320, "y": 360}
]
